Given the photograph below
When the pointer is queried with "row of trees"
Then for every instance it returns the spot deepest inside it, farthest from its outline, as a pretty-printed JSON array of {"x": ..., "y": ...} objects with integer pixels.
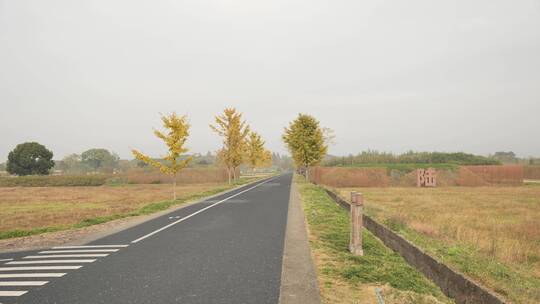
[
  {"x": 32, "y": 158},
  {"x": 511, "y": 158},
  {"x": 92, "y": 160},
  {"x": 411, "y": 157},
  {"x": 240, "y": 145}
]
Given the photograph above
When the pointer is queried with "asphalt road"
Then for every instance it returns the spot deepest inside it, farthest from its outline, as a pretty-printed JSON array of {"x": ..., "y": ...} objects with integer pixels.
[{"x": 225, "y": 250}]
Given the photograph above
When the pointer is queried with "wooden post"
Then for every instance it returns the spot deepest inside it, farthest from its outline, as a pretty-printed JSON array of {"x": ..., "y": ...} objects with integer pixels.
[{"x": 357, "y": 203}]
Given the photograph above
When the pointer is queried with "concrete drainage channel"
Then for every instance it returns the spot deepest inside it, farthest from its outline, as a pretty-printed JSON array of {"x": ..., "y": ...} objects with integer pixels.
[{"x": 452, "y": 283}]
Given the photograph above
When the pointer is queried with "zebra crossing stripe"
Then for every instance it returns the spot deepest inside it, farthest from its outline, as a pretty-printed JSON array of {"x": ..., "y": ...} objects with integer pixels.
[
  {"x": 23, "y": 283},
  {"x": 78, "y": 251},
  {"x": 8, "y": 293},
  {"x": 97, "y": 255},
  {"x": 90, "y": 246},
  {"x": 40, "y": 268},
  {"x": 31, "y": 275},
  {"x": 49, "y": 262}
]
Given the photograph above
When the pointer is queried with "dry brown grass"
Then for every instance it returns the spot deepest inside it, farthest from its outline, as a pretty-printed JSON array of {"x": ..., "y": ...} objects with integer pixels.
[
  {"x": 501, "y": 221},
  {"x": 531, "y": 172},
  {"x": 38, "y": 207},
  {"x": 185, "y": 176},
  {"x": 491, "y": 233}
]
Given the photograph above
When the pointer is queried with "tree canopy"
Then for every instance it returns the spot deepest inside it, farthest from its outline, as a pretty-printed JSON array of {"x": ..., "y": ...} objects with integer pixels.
[
  {"x": 234, "y": 131},
  {"x": 175, "y": 138},
  {"x": 98, "y": 159},
  {"x": 305, "y": 140},
  {"x": 30, "y": 158}
]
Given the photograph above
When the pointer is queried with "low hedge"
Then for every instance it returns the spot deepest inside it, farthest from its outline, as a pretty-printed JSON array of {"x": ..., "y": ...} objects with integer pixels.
[{"x": 53, "y": 181}]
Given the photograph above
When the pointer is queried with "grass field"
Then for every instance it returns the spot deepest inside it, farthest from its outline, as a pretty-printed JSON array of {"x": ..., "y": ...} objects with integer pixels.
[
  {"x": 490, "y": 233},
  {"x": 32, "y": 210},
  {"x": 344, "y": 278}
]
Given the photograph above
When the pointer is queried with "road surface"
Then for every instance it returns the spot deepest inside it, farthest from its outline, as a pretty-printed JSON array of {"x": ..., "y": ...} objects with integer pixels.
[{"x": 225, "y": 250}]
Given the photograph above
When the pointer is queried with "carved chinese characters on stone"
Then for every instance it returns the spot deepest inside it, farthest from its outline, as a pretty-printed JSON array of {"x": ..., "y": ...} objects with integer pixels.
[{"x": 426, "y": 177}]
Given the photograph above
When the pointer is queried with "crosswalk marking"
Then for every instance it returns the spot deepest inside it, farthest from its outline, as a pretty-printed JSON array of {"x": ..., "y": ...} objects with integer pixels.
[
  {"x": 39, "y": 268},
  {"x": 78, "y": 251},
  {"x": 70, "y": 256},
  {"x": 90, "y": 246},
  {"x": 23, "y": 283},
  {"x": 8, "y": 293},
  {"x": 50, "y": 262},
  {"x": 90, "y": 255},
  {"x": 31, "y": 275}
]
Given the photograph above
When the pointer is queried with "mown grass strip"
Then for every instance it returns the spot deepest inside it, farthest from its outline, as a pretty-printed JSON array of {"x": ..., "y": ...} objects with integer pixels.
[{"x": 330, "y": 227}]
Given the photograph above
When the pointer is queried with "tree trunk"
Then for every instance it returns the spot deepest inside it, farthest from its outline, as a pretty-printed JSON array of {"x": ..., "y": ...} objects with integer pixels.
[
  {"x": 234, "y": 173},
  {"x": 229, "y": 173},
  {"x": 174, "y": 186},
  {"x": 307, "y": 173}
]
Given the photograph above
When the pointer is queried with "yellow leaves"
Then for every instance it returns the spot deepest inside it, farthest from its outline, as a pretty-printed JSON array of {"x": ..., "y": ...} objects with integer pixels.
[
  {"x": 257, "y": 156},
  {"x": 175, "y": 137},
  {"x": 234, "y": 131},
  {"x": 255, "y": 150},
  {"x": 306, "y": 140}
]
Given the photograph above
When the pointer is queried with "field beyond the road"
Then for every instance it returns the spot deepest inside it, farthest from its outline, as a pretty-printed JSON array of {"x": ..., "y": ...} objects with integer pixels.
[
  {"x": 490, "y": 233},
  {"x": 32, "y": 210}
]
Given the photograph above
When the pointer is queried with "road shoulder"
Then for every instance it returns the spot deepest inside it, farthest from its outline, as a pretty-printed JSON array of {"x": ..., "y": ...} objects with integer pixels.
[{"x": 298, "y": 277}]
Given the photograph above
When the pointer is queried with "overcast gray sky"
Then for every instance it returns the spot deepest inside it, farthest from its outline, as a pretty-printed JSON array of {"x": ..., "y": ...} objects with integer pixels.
[{"x": 393, "y": 75}]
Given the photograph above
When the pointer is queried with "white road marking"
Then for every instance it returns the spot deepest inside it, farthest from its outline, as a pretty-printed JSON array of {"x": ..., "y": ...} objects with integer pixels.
[
  {"x": 90, "y": 246},
  {"x": 97, "y": 255},
  {"x": 12, "y": 293},
  {"x": 78, "y": 251},
  {"x": 23, "y": 283},
  {"x": 31, "y": 275},
  {"x": 174, "y": 217},
  {"x": 40, "y": 268},
  {"x": 4, "y": 260},
  {"x": 197, "y": 212},
  {"x": 51, "y": 262}
]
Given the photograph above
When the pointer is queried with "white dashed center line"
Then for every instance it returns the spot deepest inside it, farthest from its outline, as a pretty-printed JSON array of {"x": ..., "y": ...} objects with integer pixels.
[{"x": 197, "y": 212}]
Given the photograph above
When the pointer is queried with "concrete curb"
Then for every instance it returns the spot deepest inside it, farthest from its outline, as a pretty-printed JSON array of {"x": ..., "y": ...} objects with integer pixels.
[{"x": 298, "y": 276}]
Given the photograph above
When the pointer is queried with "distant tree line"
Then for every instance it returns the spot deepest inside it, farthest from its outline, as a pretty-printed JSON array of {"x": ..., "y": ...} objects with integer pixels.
[
  {"x": 511, "y": 158},
  {"x": 411, "y": 157}
]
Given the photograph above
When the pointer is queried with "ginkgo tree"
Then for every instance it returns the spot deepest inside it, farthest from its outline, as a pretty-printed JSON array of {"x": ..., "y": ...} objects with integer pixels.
[
  {"x": 255, "y": 152},
  {"x": 256, "y": 155},
  {"x": 234, "y": 131},
  {"x": 175, "y": 137},
  {"x": 306, "y": 141}
]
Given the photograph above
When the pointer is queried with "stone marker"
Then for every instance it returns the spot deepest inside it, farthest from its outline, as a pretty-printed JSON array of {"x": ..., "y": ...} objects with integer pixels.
[
  {"x": 426, "y": 177},
  {"x": 357, "y": 203}
]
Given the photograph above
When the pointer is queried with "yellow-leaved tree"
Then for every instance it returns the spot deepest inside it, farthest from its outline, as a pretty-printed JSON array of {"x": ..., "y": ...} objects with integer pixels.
[
  {"x": 306, "y": 142},
  {"x": 234, "y": 131},
  {"x": 266, "y": 159},
  {"x": 255, "y": 150},
  {"x": 175, "y": 137}
]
